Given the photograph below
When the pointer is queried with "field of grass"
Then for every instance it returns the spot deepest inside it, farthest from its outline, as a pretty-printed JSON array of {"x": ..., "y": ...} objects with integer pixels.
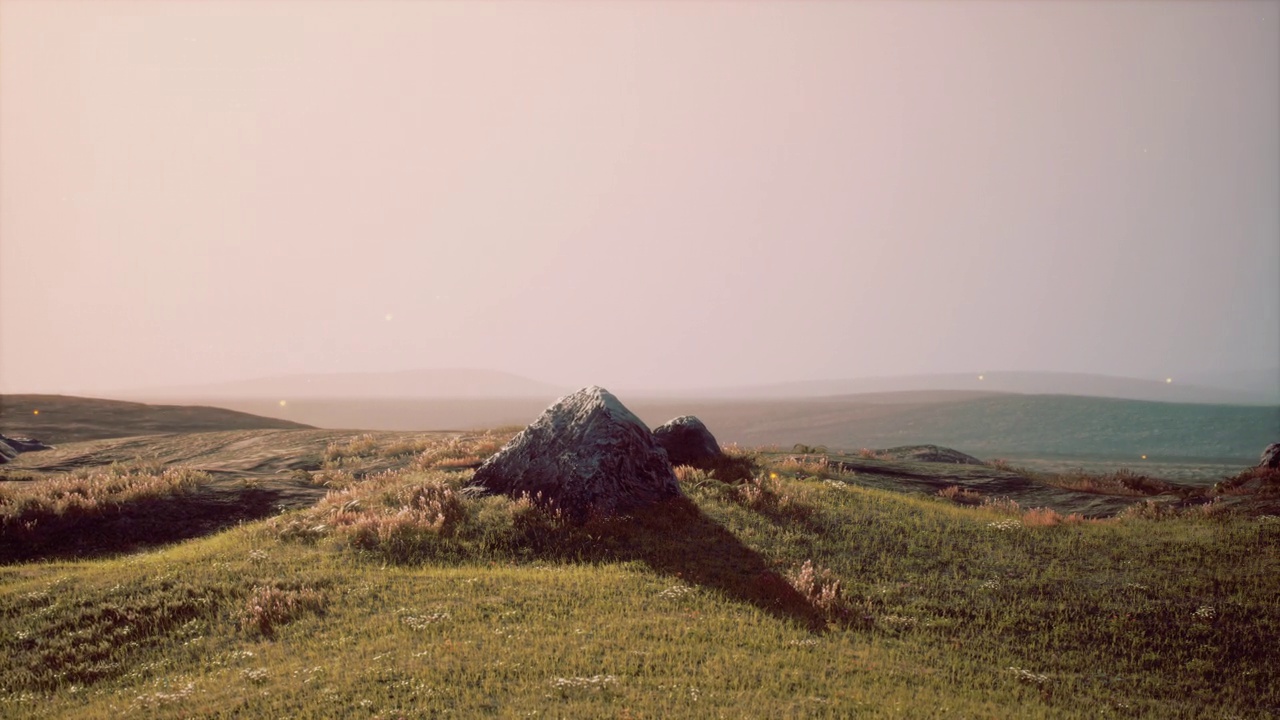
[{"x": 797, "y": 593}]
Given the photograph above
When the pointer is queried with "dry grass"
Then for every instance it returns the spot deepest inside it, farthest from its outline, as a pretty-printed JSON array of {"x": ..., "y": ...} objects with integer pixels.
[
  {"x": 267, "y": 608},
  {"x": 1121, "y": 482},
  {"x": 820, "y": 587},
  {"x": 961, "y": 496},
  {"x": 461, "y": 452},
  {"x": 86, "y": 494},
  {"x": 1048, "y": 517},
  {"x": 819, "y": 466},
  {"x": 1003, "y": 505},
  {"x": 360, "y": 446}
]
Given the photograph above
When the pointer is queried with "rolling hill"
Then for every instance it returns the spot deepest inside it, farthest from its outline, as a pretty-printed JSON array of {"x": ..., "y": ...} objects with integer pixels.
[{"x": 61, "y": 418}]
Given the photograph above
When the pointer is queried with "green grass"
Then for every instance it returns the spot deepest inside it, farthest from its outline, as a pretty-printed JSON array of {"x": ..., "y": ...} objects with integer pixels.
[{"x": 698, "y": 609}]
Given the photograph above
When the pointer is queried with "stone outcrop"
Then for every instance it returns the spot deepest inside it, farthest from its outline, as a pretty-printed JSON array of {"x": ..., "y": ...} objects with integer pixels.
[
  {"x": 10, "y": 447},
  {"x": 687, "y": 441},
  {"x": 24, "y": 444},
  {"x": 586, "y": 454},
  {"x": 1271, "y": 456},
  {"x": 928, "y": 453}
]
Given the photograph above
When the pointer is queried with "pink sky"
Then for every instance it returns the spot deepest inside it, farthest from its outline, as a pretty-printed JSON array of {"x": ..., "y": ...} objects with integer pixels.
[{"x": 658, "y": 194}]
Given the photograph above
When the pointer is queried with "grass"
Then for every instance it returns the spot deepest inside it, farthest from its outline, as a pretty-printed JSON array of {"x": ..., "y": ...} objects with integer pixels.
[
  {"x": 37, "y": 515},
  {"x": 792, "y": 593}
]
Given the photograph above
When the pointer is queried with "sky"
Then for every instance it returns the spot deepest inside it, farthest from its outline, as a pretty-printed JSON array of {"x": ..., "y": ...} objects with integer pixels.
[{"x": 648, "y": 194}]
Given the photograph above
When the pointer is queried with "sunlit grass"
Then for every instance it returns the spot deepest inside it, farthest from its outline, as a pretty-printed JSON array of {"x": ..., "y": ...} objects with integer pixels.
[{"x": 787, "y": 594}]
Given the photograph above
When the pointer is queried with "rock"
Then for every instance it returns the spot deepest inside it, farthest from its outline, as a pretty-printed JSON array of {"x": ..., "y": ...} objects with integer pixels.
[
  {"x": 586, "y": 454},
  {"x": 24, "y": 444},
  {"x": 687, "y": 441},
  {"x": 928, "y": 453},
  {"x": 1271, "y": 456},
  {"x": 7, "y": 452}
]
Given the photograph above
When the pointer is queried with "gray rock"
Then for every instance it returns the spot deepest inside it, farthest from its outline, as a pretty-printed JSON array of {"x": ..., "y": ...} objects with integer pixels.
[
  {"x": 586, "y": 454},
  {"x": 7, "y": 452},
  {"x": 24, "y": 444},
  {"x": 928, "y": 453},
  {"x": 687, "y": 441},
  {"x": 1271, "y": 456}
]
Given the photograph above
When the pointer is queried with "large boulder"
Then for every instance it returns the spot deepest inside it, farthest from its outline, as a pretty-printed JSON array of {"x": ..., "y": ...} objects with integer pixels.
[
  {"x": 586, "y": 454},
  {"x": 7, "y": 452},
  {"x": 1271, "y": 456},
  {"x": 687, "y": 441}
]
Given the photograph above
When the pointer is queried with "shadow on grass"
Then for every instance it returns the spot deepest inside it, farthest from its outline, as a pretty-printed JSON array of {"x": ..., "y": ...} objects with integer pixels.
[
  {"x": 675, "y": 538},
  {"x": 137, "y": 525}
]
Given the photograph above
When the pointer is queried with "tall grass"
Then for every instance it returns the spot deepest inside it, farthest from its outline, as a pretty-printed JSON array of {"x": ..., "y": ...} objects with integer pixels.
[{"x": 49, "y": 504}]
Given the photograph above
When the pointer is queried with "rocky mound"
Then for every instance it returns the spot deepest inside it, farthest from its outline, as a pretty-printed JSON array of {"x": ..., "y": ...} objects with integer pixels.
[
  {"x": 928, "y": 453},
  {"x": 1270, "y": 457},
  {"x": 586, "y": 454},
  {"x": 10, "y": 447},
  {"x": 687, "y": 441}
]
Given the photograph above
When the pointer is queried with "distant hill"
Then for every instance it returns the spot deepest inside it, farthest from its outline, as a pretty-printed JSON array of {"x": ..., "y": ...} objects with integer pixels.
[
  {"x": 1031, "y": 383},
  {"x": 1040, "y": 425},
  {"x": 62, "y": 418},
  {"x": 441, "y": 383},
  {"x": 983, "y": 424}
]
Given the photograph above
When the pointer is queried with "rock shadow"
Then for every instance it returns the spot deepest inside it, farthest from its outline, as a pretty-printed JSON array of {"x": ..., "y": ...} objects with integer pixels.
[
  {"x": 677, "y": 539},
  {"x": 137, "y": 525}
]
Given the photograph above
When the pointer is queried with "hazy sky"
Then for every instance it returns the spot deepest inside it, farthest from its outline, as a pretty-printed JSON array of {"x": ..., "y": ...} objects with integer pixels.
[{"x": 635, "y": 193}]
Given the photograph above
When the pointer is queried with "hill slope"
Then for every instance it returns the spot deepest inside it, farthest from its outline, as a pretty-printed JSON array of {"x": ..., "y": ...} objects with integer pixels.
[
  {"x": 402, "y": 595},
  {"x": 62, "y": 418}
]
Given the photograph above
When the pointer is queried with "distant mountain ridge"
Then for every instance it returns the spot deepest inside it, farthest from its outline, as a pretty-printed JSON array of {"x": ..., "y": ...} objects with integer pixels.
[
  {"x": 459, "y": 383},
  {"x": 1021, "y": 382}
]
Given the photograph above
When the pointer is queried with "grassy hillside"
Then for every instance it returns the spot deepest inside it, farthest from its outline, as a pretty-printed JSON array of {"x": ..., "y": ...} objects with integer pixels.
[
  {"x": 799, "y": 592},
  {"x": 61, "y": 418}
]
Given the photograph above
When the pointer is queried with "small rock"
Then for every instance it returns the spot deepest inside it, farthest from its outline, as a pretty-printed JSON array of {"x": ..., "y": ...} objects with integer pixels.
[
  {"x": 586, "y": 454},
  {"x": 24, "y": 444},
  {"x": 687, "y": 441},
  {"x": 1271, "y": 456}
]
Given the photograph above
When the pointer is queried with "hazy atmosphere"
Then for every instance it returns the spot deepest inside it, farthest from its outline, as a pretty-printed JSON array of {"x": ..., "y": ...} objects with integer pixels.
[{"x": 651, "y": 195}]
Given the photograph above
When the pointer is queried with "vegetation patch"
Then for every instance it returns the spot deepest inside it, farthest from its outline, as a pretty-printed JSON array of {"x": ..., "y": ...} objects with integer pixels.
[{"x": 796, "y": 592}]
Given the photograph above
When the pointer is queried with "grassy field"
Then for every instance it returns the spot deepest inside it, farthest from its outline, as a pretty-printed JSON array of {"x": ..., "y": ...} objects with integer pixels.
[{"x": 800, "y": 592}]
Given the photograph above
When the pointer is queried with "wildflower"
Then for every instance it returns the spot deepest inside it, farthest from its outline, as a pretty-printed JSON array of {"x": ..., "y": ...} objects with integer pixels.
[
  {"x": 1005, "y": 524},
  {"x": 1029, "y": 677},
  {"x": 1205, "y": 612},
  {"x": 595, "y": 681},
  {"x": 675, "y": 591}
]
